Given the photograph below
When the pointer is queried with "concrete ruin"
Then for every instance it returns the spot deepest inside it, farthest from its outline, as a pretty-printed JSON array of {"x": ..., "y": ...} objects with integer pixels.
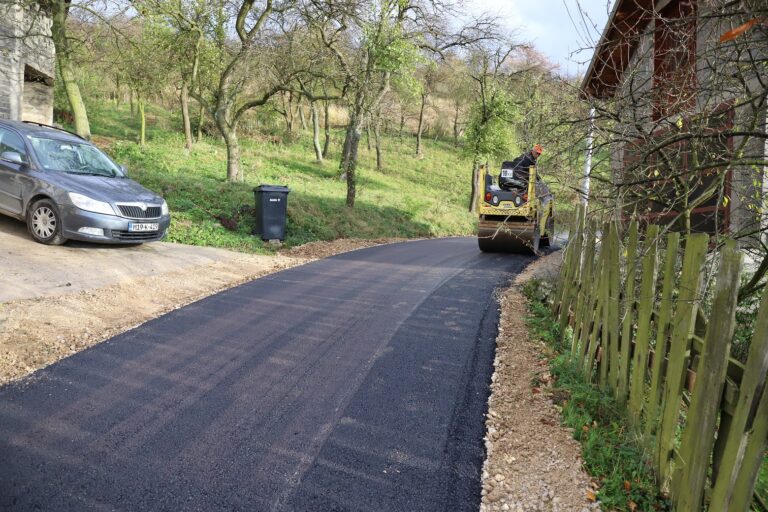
[{"x": 27, "y": 62}]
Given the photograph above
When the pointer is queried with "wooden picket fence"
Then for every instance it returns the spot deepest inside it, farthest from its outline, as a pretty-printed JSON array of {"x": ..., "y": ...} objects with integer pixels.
[{"x": 639, "y": 332}]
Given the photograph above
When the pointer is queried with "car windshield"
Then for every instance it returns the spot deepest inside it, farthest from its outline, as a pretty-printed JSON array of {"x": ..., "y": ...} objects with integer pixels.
[{"x": 74, "y": 158}]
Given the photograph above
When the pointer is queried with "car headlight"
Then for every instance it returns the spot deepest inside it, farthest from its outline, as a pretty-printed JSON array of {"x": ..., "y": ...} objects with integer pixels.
[
  {"x": 164, "y": 208},
  {"x": 90, "y": 205}
]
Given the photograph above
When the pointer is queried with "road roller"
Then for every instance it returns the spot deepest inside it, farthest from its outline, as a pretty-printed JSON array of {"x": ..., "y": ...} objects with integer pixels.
[{"x": 516, "y": 217}]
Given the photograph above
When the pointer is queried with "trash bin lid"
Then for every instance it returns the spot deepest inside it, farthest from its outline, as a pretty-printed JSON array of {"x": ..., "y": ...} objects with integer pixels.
[{"x": 272, "y": 188}]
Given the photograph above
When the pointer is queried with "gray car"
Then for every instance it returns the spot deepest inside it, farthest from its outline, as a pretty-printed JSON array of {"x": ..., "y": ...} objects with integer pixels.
[{"x": 65, "y": 188}]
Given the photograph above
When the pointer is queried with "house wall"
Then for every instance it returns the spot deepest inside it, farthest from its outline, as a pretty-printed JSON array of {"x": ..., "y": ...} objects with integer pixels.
[
  {"x": 722, "y": 80},
  {"x": 715, "y": 61}
]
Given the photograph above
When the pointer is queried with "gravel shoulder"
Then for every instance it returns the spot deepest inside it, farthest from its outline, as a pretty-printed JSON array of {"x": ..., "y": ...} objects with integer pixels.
[
  {"x": 57, "y": 301},
  {"x": 533, "y": 463}
]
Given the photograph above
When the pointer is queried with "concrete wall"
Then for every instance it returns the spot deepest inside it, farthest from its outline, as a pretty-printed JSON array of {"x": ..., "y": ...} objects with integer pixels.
[{"x": 26, "y": 46}]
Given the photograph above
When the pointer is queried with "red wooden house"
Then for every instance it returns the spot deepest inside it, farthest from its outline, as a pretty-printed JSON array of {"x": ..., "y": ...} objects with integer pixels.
[{"x": 682, "y": 88}]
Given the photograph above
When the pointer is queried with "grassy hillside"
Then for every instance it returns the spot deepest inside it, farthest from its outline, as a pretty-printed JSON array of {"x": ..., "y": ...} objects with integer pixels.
[{"x": 411, "y": 198}]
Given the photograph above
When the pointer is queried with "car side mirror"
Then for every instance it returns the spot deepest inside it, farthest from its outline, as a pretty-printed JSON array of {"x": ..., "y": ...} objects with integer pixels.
[
  {"x": 123, "y": 170},
  {"x": 13, "y": 157}
]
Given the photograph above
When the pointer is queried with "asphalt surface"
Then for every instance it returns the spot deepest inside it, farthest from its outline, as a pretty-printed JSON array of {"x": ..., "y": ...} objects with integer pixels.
[{"x": 358, "y": 382}]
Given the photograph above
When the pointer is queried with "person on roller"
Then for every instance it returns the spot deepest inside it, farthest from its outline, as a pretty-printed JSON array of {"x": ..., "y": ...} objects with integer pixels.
[{"x": 514, "y": 174}]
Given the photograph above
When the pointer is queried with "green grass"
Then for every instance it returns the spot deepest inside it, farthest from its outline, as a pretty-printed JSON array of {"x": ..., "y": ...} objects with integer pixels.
[
  {"x": 410, "y": 198},
  {"x": 612, "y": 453},
  {"x": 761, "y": 489}
]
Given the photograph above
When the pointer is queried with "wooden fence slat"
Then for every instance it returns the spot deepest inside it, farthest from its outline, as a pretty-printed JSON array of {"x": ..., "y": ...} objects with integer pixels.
[
  {"x": 573, "y": 272},
  {"x": 585, "y": 290},
  {"x": 754, "y": 453},
  {"x": 683, "y": 323},
  {"x": 644, "y": 311},
  {"x": 605, "y": 296},
  {"x": 732, "y": 476},
  {"x": 662, "y": 326},
  {"x": 625, "y": 345},
  {"x": 699, "y": 435},
  {"x": 557, "y": 303},
  {"x": 595, "y": 333},
  {"x": 614, "y": 291},
  {"x": 591, "y": 313}
]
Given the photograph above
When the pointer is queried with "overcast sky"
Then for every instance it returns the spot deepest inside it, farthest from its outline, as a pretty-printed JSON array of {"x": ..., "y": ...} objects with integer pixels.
[{"x": 555, "y": 27}]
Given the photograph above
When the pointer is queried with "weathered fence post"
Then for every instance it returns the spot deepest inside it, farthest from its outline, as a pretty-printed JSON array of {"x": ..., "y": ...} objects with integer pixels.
[
  {"x": 592, "y": 333},
  {"x": 585, "y": 290},
  {"x": 645, "y": 300},
  {"x": 748, "y": 428},
  {"x": 625, "y": 349},
  {"x": 662, "y": 322},
  {"x": 682, "y": 328},
  {"x": 573, "y": 248},
  {"x": 605, "y": 296},
  {"x": 573, "y": 271},
  {"x": 614, "y": 280},
  {"x": 699, "y": 434}
]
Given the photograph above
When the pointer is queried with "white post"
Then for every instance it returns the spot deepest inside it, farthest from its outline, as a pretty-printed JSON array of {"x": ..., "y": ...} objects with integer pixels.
[{"x": 588, "y": 160}]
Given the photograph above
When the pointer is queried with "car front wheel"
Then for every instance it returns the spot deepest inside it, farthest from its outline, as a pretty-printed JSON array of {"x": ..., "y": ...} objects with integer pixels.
[{"x": 44, "y": 223}]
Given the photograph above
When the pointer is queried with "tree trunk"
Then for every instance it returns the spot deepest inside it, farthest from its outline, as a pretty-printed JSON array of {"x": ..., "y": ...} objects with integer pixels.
[
  {"x": 316, "y": 132},
  {"x": 60, "y": 11},
  {"x": 473, "y": 197},
  {"x": 456, "y": 125},
  {"x": 327, "y": 130},
  {"x": 233, "y": 151},
  {"x": 345, "y": 153},
  {"x": 421, "y": 124},
  {"x": 402, "y": 125},
  {"x": 143, "y": 118},
  {"x": 79, "y": 112},
  {"x": 354, "y": 144},
  {"x": 368, "y": 135},
  {"x": 302, "y": 118},
  {"x": 349, "y": 155},
  {"x": 377, "y": 136},
  {"x": 130, "y": 99},
  {"x": 288, "y": 115},
  {"x": 200, "y": 121},
  {"x": 185, "y": 115}
]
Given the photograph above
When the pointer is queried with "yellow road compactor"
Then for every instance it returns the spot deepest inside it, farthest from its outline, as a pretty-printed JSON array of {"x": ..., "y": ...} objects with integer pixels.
[{"x": 517, "y": 216}]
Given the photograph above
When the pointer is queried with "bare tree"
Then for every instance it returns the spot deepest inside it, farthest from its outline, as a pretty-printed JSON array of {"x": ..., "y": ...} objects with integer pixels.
[
  {"x": 374, "y": 44},
  {"x": 681, "y": 128}
]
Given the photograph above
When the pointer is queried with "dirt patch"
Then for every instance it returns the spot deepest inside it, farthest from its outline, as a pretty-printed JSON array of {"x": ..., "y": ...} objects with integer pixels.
[
  {"x": 75, "y": 309},
  {"x": 533, "y": 463},
  {"x": 318, "y": 250}
]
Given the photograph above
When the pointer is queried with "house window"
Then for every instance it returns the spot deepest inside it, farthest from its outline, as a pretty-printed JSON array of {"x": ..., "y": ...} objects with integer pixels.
[
  {"x": 674, "y": 59},
  {"x": 661, "y": 183}
]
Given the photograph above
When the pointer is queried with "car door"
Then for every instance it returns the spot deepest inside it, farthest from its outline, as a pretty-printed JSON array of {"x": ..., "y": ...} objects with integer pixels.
[{"x": 11, "y": 173}]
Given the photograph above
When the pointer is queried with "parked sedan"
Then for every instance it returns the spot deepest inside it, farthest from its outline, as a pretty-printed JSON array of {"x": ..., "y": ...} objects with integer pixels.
[{"x": 65, "y": 188}]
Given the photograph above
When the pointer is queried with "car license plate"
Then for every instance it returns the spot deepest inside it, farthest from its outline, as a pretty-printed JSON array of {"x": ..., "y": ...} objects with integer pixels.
[
  {"x": 507, "y": 173},
  {"x": 145, "y": 226}
]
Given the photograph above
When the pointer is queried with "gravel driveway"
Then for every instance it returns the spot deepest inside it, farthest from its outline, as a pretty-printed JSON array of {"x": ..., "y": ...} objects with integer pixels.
[
  {"x": 31, "y": 270},
  {"x": 56, "y": 301}
]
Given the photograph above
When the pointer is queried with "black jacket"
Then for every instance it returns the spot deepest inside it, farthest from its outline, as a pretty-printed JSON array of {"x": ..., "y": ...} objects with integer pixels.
[{"x": 524, "y": 161}]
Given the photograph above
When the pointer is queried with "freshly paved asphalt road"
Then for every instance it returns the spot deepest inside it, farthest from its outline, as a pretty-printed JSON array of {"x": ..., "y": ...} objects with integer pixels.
[{"x": 358, "y": 382}]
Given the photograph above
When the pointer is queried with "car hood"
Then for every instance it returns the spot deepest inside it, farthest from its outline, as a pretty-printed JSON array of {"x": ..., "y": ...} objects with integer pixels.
[{"x": 111, "y": 190}]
